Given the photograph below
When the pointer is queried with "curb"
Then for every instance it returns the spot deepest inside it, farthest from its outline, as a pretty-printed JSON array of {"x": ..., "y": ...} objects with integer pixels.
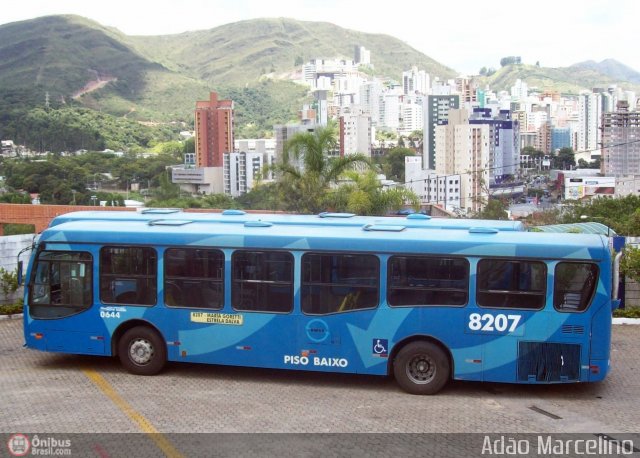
[
  {"x": 17, "y": 316},
  {"x": 625, "y": 321}
]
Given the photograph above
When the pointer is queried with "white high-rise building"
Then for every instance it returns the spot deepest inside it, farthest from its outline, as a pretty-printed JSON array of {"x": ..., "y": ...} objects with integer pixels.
[
  {"x": 370, "y": 94},
  {"x": 241, "y": 171},
  {"x": 588, "y": 134},
  {"x": 519, "y": 91},
  {"x": 415, "y": 81},
  {"x": 390, "y": 110},
  {"x": 411, "y": 118},
  {"x": 355, "y": 131}
]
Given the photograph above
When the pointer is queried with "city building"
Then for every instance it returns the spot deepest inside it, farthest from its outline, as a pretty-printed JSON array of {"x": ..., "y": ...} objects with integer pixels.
[
  {"x": 504, "y": 142},
  {"x": 412, "y": 118},
  {"x": 355, "y": 131},
  {"x": 415, "y": 81},
  {"x": 213, "y": 130},
  {"x": 199, "y": 180},
  {"x": 432, "y": 189},
  {"x": 588, "y": 134},
  {"x": 463, "y": 149},
  {"x": 621, "y": 142},
  {"x": 435, "y": 111},
  {"x": 241, "y": 171},
  {"x": 560, "y": 138}
]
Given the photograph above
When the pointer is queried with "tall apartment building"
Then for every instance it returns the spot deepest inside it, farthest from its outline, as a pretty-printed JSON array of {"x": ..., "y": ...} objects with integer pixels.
[
  {"x": 241, "y": 171},
  {"x": 621, "y": 142},
  {"x": 415, "y": 81},
  {"x": 355, "y": 131},
  {"x": 412, "y": 118},
  {"x": 213, "y": 130},
  {"x": 560, "y": 138},
  {"x": 588, "y": 134},
  {"x": 463, "y": 149},
  {"x": 504, "y": 142},
  {"x": 435, "y": 112},
  {"x": 370, "y": 96},
  {"x": 362, "y": 55}
]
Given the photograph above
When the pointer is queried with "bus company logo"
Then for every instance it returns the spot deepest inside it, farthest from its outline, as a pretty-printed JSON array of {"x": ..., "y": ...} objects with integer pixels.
[
  {"x": 18, "y": 445},
  {"x": 317, "y": 330}
]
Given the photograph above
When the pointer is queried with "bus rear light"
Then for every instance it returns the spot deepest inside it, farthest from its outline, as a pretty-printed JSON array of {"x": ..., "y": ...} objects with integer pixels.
[
  {"x": 594, "y": 369},
  {"x": 37, "y": 335}
]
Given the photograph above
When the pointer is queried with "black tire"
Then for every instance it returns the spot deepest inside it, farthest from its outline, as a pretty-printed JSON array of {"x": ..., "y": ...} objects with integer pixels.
[
  {"x": 142, "y": 351},
  {"x": 421, "y": 368}
]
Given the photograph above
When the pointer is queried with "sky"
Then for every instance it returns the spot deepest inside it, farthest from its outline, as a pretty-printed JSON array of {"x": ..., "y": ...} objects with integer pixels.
[{"x": 464, "y": 34}]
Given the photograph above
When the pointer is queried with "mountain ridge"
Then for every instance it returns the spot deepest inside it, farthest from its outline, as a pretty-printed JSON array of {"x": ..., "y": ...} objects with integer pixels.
[{"x": 160, "y": 77}]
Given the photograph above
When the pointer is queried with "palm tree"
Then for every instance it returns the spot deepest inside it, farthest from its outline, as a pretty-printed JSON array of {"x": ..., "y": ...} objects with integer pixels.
[
  {"x": 365, "y": 195},
  {"x": 307, "y": 171}
]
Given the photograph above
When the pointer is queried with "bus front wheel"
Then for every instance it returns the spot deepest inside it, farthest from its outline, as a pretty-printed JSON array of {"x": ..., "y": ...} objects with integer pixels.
[
  {"x": 421, "y": 368},
  {"x": 142, "y": 351}
]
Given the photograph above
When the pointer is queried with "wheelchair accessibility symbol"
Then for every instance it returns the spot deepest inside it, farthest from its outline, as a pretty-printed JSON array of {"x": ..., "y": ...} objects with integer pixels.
[{"x": 380, "y": 348}]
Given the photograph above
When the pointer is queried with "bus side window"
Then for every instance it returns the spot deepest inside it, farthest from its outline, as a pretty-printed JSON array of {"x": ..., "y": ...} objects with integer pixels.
[
  {"x": 262, "y": 281},
  {"x": 128, "y": 275},
  {"x": 194, "y": 277},
  {"x": 574, "y": 286},
  {"x": 333, "y": 283},
  {"x": 502, "y": 283}
]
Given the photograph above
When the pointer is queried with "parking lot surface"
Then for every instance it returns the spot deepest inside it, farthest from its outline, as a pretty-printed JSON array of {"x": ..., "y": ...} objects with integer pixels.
[{"x": 57, "y": 393}]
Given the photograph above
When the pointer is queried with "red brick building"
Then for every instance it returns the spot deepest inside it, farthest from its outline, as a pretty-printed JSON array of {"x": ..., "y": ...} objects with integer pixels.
[{"x": 214, "y": 130}]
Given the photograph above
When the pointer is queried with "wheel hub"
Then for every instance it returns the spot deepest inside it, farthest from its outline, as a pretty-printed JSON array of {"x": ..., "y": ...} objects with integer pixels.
[
  {"x": 141, "y": 351},
  {"x": 421, "y": 369}
]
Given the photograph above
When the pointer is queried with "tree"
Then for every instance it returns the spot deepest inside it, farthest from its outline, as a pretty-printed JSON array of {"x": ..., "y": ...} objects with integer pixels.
[
  {"x": 307, "y": 170},
  {"x": 565, "y": 159},
  {"x": 495, "y": 209},
  {"x": 621, "y": 214},
  {"x": 630, "y": 263},
  {"x": 393, "y": 163},
  {"x": 364, "y": 195}
]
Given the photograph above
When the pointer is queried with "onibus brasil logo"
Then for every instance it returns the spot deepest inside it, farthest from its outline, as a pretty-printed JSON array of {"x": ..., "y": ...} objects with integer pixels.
[{"x": 19, "y": 445}]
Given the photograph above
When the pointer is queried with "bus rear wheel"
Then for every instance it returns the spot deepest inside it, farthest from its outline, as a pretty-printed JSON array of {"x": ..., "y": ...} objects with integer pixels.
[
  {"x": 142, "y": 351},
  {"x": 421, "y": 368}
]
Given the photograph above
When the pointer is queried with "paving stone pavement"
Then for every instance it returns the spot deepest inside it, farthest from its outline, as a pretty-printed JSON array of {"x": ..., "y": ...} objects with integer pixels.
[{"x": 46, "y": 392}]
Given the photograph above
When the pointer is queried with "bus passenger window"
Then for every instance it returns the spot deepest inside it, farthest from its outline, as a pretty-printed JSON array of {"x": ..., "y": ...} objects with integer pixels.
[
  {"x": 262, "y": 281},
  {"x": 194, "y": 277},
  {"x": 574, "y": 286},
  {"x": 128, "y": 275},
  {"x": 61, "y": 284},
  {"x": 333, "y": 283},
  {"x": 427, "y": 280},
  {"x": 511, "y": 284}
]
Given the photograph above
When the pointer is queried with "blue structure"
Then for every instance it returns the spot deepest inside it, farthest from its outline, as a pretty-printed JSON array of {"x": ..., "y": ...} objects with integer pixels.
[
  {"x": 337, "y": 293},
  {"x": 560, "y": 138}
]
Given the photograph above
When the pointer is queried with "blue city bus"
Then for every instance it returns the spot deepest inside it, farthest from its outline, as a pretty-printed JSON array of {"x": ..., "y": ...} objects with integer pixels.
[{"x": 385, "y": 296}]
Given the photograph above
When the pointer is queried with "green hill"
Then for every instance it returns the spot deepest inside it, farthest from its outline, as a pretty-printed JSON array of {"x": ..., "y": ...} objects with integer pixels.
[
  {"x": 244, "y": 51},
  {"x": 566, "y": 80},
  {"x": 72, "y": 61}
]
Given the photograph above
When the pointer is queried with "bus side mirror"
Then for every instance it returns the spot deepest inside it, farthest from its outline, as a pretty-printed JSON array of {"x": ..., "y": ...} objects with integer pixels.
[{"x": 20, "y": 273}]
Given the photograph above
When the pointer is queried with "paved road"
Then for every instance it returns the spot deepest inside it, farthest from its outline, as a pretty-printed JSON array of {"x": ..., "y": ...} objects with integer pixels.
[{"x": 55, "y": 393}]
